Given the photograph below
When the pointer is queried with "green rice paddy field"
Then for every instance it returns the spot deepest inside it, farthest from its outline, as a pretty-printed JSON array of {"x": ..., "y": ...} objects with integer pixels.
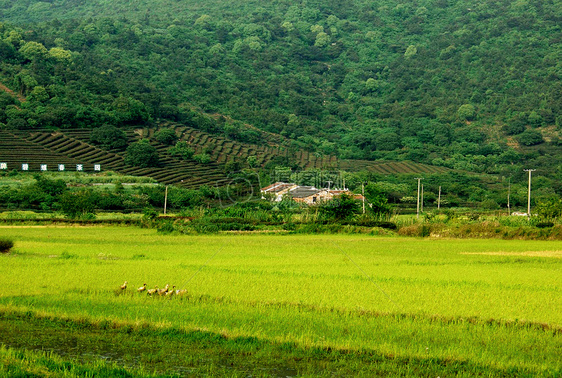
[{"x": 277, "y": 305}]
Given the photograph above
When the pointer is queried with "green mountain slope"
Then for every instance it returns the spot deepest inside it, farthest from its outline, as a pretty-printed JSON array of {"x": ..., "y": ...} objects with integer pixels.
[{"x": 461, "y": 84}]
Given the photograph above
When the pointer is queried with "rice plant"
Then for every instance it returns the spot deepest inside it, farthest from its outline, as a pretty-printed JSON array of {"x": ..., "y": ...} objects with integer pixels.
[{"x": 491, "y": 304}]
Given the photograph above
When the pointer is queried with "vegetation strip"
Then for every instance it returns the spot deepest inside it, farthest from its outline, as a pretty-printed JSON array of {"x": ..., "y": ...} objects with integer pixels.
[
  {"x": 238, "y": 353},
  {"x": 27, "y": 363}
]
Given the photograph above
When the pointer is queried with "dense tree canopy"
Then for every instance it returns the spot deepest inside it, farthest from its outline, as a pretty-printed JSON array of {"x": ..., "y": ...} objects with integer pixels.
[{"x": 437, "y": 82}]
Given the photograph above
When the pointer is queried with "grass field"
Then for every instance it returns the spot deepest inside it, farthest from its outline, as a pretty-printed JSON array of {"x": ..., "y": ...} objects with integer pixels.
[{"x": 285, "y": 304}]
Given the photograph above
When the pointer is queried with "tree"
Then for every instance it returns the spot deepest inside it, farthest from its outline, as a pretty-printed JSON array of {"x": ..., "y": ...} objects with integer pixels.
[
  {"x": 377, "y": 200},
  {"x": 252, "y": 161},
  {"x": 466, "y": 112},
  {"x": 166, "y": 136},
  {"x": 17, "y": 124},
  {"x": 24, "y": 81},
  {"x": 514, "y": 128},
  {"x": 322, "y": 39},
  {"x": 340, "y": 208},
  {"x": 33, "y": 51},
  {"x": 182, "y": 150},
  {"x": 77, "y": 204},
  {"x": 130, "y": 111},
  {"x": 202, "y": 158},
  {"x": 108, "y": 137},
  {"x": 38, "y": 94},
  {"x": 51, "y": 187},
  {"x": 534, "y": 119},
  {"x": 530, "y": 138},
  {"x": 549, "y": 209},
  {"x": 387, "y": 141},
  {"x": 142, "y": 154},
  {"x": 60, "y": 54},
  {"x": 410, "y": 52}
]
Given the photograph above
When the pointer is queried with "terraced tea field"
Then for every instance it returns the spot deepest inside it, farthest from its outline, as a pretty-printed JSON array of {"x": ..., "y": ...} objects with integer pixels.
[
  {"x": 285, "y": 304},
  {"x": 222, "y": 149},
  {"x": 73, "y": 147}
]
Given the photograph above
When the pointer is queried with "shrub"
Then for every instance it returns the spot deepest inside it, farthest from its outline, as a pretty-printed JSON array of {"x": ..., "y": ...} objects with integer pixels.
[
  {"x": 80, "y": 204},
  {"x": 342, "y": 207},
  {"x": 544, "y": 224},
  {"x": 419, "y": 230},
  {"x": 166, "y": 228},
  {"x": 202, "y": 158},
  {"x": 374, "y": 223},
  {"x": 514, "y": 128},
  {"x": 182, "y": 150},
  {"x": 6, "y": 245}
]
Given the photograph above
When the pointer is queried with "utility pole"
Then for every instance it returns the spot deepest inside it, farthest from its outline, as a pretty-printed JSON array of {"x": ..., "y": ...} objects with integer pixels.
[
  {"x": 529, "y": 193},
  {"x": 363, "y": 194},
  {"x": 421, "y": 203},
  {"x": 341, "y": 179},
  {"x": 418, "y": 207},
  {"x": 439, "y": 199},
  {"x": 329, "y": 183},
  {"x": 165, "y": 199},
  {"x": 508, "y": 196}
]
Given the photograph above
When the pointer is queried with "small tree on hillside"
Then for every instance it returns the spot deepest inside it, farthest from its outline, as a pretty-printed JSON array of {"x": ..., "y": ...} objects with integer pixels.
[
  {"x": 466, "y": 112},
  {"x": 166, "y": 136},
  {"x": 142, "y": 154},
  {"x": 182, "y": 150},
  {"x": 530, "y": 137},
  {"x": 108, "y": 137}
]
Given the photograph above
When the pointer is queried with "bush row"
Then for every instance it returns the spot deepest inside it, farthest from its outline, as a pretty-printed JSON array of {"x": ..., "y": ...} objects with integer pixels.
[{"x": 484, "y": 230}]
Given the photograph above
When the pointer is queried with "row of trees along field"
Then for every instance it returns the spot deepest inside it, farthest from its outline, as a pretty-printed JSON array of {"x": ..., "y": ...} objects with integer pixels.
[
  {"x": 448, "y": 83},
  {"x": 73, "y": 194}
]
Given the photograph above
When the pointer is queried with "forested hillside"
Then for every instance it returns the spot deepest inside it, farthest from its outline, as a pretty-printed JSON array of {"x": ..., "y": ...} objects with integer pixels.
[{"x": 462, "y": 84}]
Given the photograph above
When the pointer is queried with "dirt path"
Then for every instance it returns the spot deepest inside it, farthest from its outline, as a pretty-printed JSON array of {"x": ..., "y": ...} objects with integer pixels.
[{"x": 12, "y": 93}]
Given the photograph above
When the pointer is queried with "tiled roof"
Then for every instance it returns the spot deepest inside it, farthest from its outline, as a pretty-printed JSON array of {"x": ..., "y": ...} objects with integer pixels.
[
  {"x": 277, "y": 187},
  {"x": 303, "y": 191},
  {"x": 340, "y": 192}
]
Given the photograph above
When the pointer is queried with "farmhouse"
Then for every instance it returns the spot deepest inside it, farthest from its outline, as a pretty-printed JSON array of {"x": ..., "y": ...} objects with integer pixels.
[
  {"x": 308, "y": 194},
  {"x": 339, "y": 192},
  {"x": 304, "y": 194},
  {"x": 278, "y": 189}
]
